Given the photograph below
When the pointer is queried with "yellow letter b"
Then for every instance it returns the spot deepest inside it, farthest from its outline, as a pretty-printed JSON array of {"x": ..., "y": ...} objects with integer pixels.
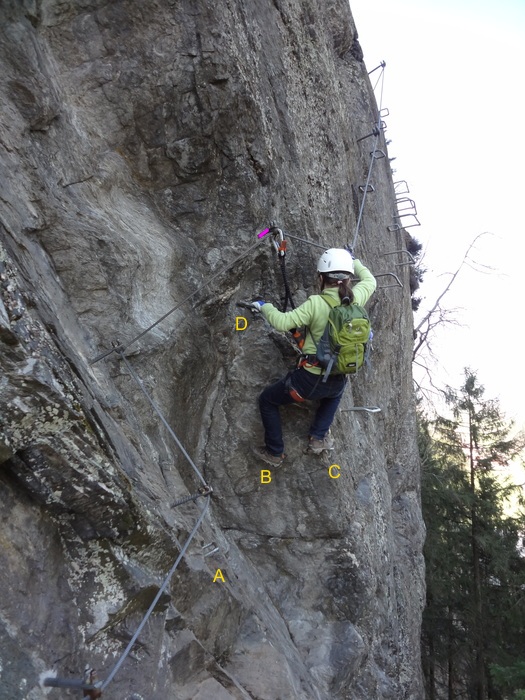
[{"x": 266, "y": 476}]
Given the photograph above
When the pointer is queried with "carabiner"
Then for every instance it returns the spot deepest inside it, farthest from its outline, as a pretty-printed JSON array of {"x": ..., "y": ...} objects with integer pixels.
[{"x": 278, "y": 242}]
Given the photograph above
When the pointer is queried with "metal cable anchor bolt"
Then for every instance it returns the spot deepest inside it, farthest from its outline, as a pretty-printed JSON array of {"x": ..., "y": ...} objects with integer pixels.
[
  {"x": 376, "y": 131},
  {"x": 212, "y": 551}
]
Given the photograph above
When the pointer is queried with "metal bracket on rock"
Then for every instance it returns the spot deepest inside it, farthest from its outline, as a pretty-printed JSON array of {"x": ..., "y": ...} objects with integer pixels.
[
  {"x": 406, "y": 252},
  {"x": 388, "y": 286},
  {"x": 201, "y": 493},
  {"x": 381, "y": 65},
  {"x": 397, "y": 226},
  {"x": 405, "y": 204},
  {"x": 116, "y": 347},
  {"x": 212, "y": 551},
  {"x": 401, "y": 184},
  {"x": 92, "y": 690},
  {"x": 375, "y": 132},
  {"x": 368, "y": 409}
]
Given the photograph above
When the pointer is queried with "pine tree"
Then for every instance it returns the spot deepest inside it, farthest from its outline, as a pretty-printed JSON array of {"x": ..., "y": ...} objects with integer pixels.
[
  {"x": 475, "y": 571},
  {"x": 446, "y": 504}
]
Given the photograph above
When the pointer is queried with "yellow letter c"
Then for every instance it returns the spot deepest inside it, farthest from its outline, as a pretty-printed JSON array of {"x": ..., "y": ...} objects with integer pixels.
[{"x": 334, "y": 466}]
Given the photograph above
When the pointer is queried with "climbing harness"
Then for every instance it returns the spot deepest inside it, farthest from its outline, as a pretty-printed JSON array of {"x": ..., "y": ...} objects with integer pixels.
[{"x": 296, "y": 396}]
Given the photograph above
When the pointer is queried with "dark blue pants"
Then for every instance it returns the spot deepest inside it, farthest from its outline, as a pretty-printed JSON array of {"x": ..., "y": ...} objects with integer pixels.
[{"x": 309, "y": 386}]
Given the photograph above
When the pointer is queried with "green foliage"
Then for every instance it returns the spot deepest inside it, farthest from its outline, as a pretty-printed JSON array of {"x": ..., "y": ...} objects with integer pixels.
[
  {"x": 507, "y": 679},
  {"x": 475, "y": 614}
]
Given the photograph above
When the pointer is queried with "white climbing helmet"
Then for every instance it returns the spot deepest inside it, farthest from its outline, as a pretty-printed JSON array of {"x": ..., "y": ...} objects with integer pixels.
[{"x": 336, "y": 260}]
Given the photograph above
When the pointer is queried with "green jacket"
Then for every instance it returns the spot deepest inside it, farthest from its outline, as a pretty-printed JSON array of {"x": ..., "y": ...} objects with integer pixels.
[{"x": 314, "y": 312}]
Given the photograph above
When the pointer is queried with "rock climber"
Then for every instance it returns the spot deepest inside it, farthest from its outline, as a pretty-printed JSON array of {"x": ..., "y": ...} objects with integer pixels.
[{"x": 304, "y": 383}]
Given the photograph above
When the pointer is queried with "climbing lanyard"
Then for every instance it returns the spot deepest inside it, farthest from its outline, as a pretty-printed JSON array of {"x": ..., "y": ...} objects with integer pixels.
[{"x": 279, "y": 243}]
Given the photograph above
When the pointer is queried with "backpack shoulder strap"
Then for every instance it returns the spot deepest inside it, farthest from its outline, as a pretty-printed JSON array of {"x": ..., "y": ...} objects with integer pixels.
[{"x": 332, "y": 303}]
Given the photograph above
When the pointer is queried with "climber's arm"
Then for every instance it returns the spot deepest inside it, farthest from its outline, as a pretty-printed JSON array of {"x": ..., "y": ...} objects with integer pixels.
[{"x": 366, "y": 286}]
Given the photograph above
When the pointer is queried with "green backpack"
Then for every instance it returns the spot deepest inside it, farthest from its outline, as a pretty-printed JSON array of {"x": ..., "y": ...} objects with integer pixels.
[{"x": 341, "y": 349}]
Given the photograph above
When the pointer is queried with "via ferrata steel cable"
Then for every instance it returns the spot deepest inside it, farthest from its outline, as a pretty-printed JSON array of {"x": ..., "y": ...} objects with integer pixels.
[
  {"x": 156, "y": 599},
  {"x": 372, "y": 158},
  {"x": 181, "y": 303},
  {"x": 159, "y": 413}
]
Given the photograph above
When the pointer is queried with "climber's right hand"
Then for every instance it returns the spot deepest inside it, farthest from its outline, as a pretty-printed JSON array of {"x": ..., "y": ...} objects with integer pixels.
[
  {"x": 254, "y": 305},
  {"x": 257, "y": 304}
]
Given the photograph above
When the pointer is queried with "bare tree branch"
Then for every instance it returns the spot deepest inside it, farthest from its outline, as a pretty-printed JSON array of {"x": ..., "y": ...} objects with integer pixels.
[{"x": 437, "y": 315}]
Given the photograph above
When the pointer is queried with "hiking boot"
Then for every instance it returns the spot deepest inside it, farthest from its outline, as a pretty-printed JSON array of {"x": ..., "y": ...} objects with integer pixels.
[
  {"x": 316, "y": 446},
  {"x": 268, "y": 457}
]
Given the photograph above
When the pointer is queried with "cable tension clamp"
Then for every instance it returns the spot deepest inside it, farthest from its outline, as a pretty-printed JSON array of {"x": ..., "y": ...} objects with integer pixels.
[{"x": 90, "y": 687}]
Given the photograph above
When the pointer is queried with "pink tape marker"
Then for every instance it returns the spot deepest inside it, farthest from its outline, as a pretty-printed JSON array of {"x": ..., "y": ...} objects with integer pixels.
[{"x": 263, "y": 233}]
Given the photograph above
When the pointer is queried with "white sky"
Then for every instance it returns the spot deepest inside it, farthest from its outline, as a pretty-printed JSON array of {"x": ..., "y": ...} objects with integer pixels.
[{"x": 454, "y": 87}]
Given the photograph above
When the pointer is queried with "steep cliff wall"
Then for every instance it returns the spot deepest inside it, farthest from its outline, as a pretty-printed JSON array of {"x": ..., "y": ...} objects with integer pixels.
[{"x": 142, "y": 147}]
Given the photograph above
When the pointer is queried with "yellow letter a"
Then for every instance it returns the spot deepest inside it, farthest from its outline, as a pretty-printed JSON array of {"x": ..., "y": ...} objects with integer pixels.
[{"x": 219, "y": 575}]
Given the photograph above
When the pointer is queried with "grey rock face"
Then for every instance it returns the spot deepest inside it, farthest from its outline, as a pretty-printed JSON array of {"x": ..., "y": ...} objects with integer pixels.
[{"x": 142, "y": 148}]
